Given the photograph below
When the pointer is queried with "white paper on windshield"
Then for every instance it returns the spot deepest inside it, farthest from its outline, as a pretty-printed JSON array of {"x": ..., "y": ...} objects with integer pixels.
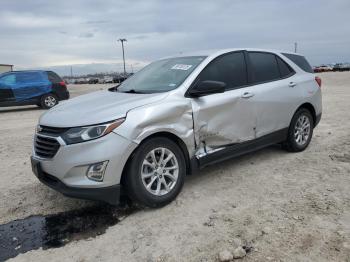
[{"x": 181, "y": 67}]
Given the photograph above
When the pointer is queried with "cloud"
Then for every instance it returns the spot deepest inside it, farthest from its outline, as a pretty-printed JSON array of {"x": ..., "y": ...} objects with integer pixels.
[
  {"x": 157, "y": 28},
  {"x": 86, "y": 35}
]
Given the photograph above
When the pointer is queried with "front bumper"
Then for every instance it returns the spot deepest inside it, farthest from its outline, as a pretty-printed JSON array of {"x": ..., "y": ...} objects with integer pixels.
[
  {"x": 66, "y": 171},
  {"x": 110, "y": 195}
]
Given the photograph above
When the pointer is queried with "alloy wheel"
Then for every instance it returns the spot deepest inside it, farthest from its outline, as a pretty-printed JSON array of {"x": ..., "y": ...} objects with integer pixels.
[
  {"x": 302, "y": 130},
  {"x": 50, "y": 101},
  {"x": 159, "y": 171}
]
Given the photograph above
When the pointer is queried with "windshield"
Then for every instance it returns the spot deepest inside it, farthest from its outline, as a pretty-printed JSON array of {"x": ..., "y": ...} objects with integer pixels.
[{"x": 161, "y": 76}]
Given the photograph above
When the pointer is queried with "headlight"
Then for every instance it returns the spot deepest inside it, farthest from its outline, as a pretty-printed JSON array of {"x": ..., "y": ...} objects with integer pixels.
[{"x": 81, "y": 134}]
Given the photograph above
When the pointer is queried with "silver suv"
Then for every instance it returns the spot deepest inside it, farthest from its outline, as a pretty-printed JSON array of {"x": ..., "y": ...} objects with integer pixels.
[{"x": 172, "y": 118}]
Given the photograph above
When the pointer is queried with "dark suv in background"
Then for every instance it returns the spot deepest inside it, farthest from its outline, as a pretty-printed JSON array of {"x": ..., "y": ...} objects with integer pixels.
[{"x": 42, "y": 88}]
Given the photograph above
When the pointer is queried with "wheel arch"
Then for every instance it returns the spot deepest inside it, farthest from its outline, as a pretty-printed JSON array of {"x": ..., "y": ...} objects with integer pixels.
[
  {"x": 309, "y": 107},
  {"x": 169, "y": 136}
]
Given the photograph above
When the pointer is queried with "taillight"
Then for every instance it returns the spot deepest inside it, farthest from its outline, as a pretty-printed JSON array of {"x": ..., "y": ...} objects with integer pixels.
[
  {"x": 62, "y": 83},
  {"x": 318, "y": 80}
]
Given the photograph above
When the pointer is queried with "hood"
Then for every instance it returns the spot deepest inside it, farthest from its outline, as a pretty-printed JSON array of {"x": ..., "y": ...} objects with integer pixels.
[{"x": 95, "y": 108}]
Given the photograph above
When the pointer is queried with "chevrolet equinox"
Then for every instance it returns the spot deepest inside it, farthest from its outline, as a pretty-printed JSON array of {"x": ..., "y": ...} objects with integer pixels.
[{"x": 172, "y": 118}]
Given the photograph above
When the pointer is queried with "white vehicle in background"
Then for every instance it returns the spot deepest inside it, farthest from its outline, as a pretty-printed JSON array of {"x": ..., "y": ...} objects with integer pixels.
[
  {"x": 175, "y": 116},
  {"x": 107, "y": 80}
]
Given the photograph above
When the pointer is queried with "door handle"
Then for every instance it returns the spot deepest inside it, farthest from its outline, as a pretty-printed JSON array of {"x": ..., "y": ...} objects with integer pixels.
[
  {"x": 292, "y": 84},
  {"x": 247, "y": 95}
]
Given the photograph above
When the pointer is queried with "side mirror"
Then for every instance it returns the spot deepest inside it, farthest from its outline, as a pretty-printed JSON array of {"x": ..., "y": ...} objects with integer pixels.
[{"x": 207, "y": 87}]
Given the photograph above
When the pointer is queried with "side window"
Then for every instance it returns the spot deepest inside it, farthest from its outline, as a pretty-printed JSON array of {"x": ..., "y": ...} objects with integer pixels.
[
  {"x": 285, "y": 69},
  {"x": 230, "y": 69},
  {"x": 29, "y": 77},
  {"x": 264, "y": 67},
  {"x": 8, "y": 79},
  {"x": 300, "y": 61},
  {"x": 53, "y": 77}
]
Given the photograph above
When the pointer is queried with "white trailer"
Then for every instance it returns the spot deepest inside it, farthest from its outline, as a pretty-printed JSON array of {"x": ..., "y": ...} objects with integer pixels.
[{"x": 5, "y": 68}]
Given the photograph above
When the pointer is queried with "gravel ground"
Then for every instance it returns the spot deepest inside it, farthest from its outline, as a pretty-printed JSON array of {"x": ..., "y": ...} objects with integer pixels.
[{"x": 278, "y": 206}]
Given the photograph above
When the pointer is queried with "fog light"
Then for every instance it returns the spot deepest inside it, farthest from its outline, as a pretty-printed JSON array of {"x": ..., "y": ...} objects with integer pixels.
[{"x": 96, "y": 171}]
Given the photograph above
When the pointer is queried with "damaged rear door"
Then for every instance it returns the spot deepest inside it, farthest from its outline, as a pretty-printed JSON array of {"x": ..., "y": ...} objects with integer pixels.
[{"x": 224, "y": 118}]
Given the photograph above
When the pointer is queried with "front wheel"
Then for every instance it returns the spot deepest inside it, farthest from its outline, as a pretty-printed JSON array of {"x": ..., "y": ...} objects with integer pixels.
[
  {"x": 156, "y": 172},
  {"x": 300, "y": 131},
  {"x": 48, "y": 101}
]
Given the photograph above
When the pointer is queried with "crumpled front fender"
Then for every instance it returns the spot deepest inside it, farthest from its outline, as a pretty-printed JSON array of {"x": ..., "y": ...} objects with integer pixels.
[{"x": 172, "y": 115}]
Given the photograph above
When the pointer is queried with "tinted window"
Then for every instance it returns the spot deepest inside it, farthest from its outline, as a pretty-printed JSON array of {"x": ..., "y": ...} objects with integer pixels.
[
  {"x": 8, "y": 79},
  {"x": 28, "y": 77},
  {"x": 230, "y": 69},
  {"x": 285, "y": 69},
  {"x": 264, "y": 67},
  {"x": 53, "y": 77},
  {"x": 300, "y": 61}
]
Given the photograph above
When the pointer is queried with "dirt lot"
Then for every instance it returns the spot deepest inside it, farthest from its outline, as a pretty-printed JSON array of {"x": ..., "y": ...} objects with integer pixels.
[{"x": 285, "y": 206}]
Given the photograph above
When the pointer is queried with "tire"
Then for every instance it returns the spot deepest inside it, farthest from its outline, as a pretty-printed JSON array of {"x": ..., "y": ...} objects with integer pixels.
[
  {"x": 298, "y": 140},
  {"x": 48, "y": 101},
  {"x": 171, "y": 173}
]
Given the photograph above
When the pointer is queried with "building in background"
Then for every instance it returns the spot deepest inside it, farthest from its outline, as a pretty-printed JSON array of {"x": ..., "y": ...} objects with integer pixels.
[{"x": 5, "y": 68}]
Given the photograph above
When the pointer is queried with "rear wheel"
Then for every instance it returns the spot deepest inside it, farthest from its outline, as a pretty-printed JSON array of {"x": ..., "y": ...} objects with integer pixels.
[
  {"x": 48, "y": 101},
  {"x": 300, "y": 131},
  {"x": 156, "y": 172}
]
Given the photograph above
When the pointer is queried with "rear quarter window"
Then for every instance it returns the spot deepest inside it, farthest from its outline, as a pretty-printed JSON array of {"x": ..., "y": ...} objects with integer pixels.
[
  {"x": 53, "y": 77},
  {"x": 300, "y": 61},
  {"x": 285, "y": 69}
]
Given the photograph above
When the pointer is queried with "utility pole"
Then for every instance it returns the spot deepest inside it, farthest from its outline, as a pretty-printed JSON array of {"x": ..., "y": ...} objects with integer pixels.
[
  {"x": 295, "y": 47},
  {"x": 71, "y": 71},
  {"x": 122, "y": 40}
]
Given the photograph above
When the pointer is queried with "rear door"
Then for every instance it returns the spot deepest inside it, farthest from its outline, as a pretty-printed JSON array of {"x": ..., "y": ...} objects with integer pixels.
[
  {"x": 30, "y": 85},
  {"x": 7, "y": 82},
  {"x": 224, "y": 118},
  {"x": 275, "y": 90}
]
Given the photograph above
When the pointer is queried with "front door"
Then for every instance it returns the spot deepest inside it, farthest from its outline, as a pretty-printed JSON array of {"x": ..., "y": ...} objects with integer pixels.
[{"x": 225, "y": 118}]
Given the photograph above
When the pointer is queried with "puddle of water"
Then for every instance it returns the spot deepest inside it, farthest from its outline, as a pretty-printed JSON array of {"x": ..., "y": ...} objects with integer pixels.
[{"x": 56, "y": 230}]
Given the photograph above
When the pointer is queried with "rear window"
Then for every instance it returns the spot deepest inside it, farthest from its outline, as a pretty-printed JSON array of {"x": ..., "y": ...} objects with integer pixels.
[
  {"x": 300, "y": 61},
  {"x": 53, "y": 77},
  {"x": 264, "y": 67}
]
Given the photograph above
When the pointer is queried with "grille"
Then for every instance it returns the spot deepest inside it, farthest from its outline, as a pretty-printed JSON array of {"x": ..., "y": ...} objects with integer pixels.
[
  {"x": 54, "y": 131},
  {"x": 45, "y": 147}
]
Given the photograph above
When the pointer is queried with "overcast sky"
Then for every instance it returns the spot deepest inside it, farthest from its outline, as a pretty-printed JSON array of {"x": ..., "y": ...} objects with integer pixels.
[{"x": 40, "y": 33}]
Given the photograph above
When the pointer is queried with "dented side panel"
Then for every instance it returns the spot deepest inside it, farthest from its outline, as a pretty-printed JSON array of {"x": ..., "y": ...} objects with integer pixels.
[{"x": 223, "y": 119}]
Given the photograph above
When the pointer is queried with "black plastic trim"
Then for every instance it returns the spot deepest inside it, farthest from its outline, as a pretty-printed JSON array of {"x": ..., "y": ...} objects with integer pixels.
[
  {"x": 235, "y": 150},
  {"x": 318, "y": 119}
]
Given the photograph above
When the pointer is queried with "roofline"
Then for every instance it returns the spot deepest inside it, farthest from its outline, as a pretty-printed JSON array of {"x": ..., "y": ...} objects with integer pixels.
[
  {"x": 217, "y": 52},
  {"x": 6, "y": 65},
  {"x": 18, "y": 71}
]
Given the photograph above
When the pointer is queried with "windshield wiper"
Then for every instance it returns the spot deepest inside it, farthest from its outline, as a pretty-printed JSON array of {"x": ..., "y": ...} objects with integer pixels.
[{"x": 132, "y": 91}]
